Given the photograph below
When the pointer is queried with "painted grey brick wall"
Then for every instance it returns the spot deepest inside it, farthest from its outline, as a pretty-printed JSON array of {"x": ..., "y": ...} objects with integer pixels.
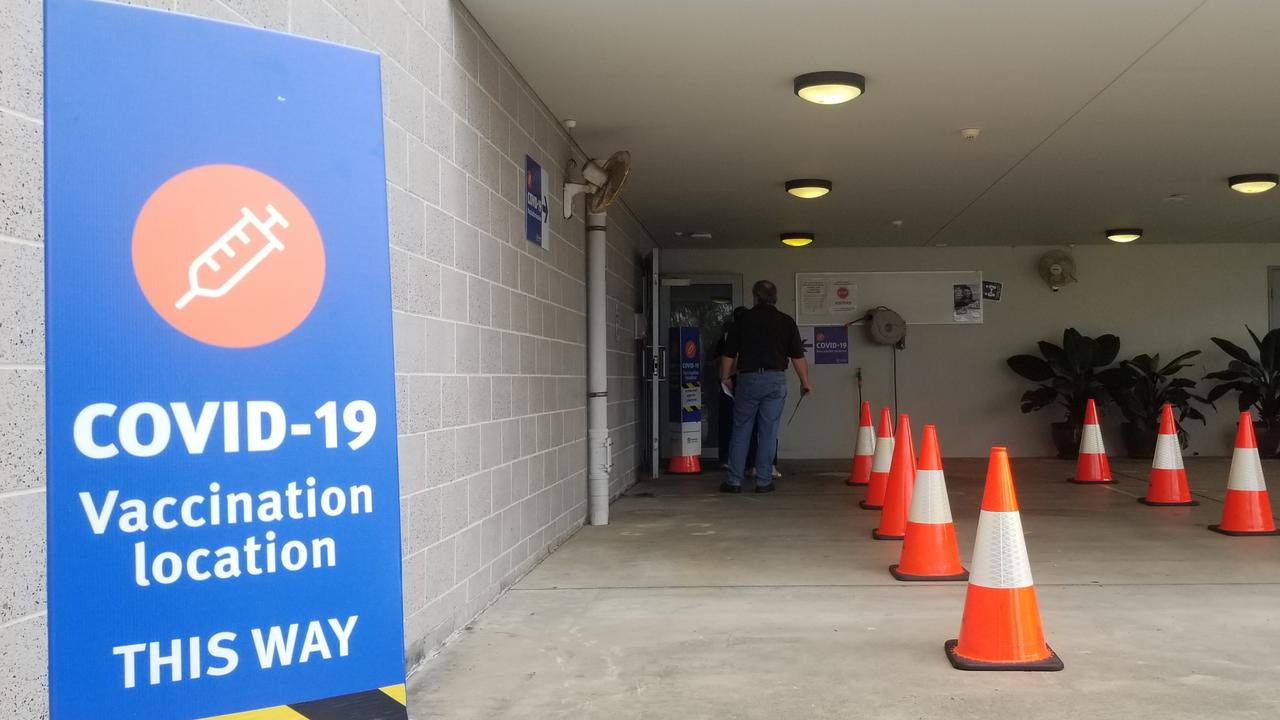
[{"x": 490, "y": 330}]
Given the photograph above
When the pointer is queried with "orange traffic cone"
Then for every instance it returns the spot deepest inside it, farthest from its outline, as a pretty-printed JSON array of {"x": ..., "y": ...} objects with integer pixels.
[
  {"x": 864, "y": 447},
  {"x": 1247, "y": 509},
  {"x": 880, "y": 463},
  {"x": 1168, "y": 483},
  {"x": 1092, "y": 467},
  {"x": 1001, "y": 628},
  {"x": 902, "y": 479},
  {"x": 929, "y": 551},
  {"x": 684, "y": 465}
]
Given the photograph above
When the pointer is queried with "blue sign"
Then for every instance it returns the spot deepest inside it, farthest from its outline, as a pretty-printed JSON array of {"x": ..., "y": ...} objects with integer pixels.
[
  {"x": 223, "y": 513},
  {"x": 537, "y": 225},
  {"x": 831, "y": 345},
  {"x": 685, "y": 353}
]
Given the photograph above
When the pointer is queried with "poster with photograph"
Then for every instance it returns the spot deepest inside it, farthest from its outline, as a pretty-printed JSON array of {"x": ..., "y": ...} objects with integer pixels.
[{"x": 967, "y": 302}]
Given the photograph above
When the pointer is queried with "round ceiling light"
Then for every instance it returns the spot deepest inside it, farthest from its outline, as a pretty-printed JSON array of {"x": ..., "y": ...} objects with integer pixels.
[
  {"x": 1254, "y": 183},
  {"x": 1124, "y": 235},
  {"x": 830, "y": 87},
  {"x": 797, "y": 239},
  {"x": 809, "y": 188}
]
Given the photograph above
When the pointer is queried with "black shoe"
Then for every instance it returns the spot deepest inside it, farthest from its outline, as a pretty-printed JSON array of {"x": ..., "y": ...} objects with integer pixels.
[
  {"x": 727, "y": 488},
  {"x": 766, "y": 488}
]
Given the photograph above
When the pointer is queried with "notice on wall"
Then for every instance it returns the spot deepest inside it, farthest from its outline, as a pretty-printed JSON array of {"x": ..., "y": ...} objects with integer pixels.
[
  {"x": 921, "y": 297},
  {"x": 537, "y": 218},
  {"x": 823, "y": 296},
  {"x": 223, "y": 502},
  {"x": 831, "y": 345},
  {"x": 967, "y": 302},
  {"x": 992, "y": 290}
]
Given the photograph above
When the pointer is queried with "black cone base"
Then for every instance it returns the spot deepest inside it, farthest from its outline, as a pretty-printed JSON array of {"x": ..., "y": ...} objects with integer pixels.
[
  {"x": 905, "y": 577},
  {"x": 881, "y": 536},
  {"x": 1155, "y": 503},
  {"x": 1243, "y": 533},
  {"x": 1053, "y": 663},
  {"x": 865, "y": 506}
]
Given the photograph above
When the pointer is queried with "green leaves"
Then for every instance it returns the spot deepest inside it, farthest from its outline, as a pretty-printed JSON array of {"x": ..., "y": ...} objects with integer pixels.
[
  {"x": 1031, "y": 367},
  {"x": 1176, "y": 365},
  {"x": 1235, "y": 351},
  {"x": 1141, "y": 387},
  {"x": 1038, "y": 398},
  {"x": 1108, "y": 350},
  {"x": 1257, "y": 380},
  {"x": 1066, "y": 373}
]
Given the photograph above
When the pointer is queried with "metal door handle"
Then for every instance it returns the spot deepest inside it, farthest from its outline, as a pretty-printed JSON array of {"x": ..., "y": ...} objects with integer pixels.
[{"x": 662, "y": 362}]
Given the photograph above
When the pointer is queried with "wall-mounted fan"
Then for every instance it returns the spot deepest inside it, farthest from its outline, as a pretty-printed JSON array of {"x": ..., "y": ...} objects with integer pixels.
[
  {"x": 1057, "y": 268},
  {"x": 601, "y": 182}
]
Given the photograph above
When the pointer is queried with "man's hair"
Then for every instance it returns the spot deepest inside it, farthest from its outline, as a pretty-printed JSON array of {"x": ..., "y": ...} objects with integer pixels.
[{"x": 765, "y": 292}]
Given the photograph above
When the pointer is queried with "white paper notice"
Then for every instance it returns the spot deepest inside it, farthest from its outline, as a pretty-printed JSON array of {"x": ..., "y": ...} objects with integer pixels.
[
  {"x": 813, "y": 296},
  {"x": 843, "y": 297}
]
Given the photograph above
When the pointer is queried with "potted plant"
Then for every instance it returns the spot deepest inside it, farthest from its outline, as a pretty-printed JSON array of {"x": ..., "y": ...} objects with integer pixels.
[
  {"x": 1257, "y": 380},
  {"x": 1067, "y": 376},
  {"x": 1140, "y": 387}
]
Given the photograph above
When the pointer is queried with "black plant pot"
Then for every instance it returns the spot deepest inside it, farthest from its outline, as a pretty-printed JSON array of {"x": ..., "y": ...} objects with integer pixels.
[
  {"x": 1066, "y": 438},
  {"x": 1268, "y": 439},
  {"x": 1138, "y": 443}
]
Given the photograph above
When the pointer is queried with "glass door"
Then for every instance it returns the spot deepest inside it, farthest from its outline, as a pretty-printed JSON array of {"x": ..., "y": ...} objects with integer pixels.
[{"x": 705, "y": 302}]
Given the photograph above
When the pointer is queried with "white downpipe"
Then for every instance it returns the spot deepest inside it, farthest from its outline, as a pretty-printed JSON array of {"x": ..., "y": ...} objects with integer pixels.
[{"x": 599, "y": 446}]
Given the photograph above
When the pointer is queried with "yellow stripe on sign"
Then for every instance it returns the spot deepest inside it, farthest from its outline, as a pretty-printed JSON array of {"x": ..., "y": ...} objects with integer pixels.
[
  {"x": 281, "y": 712},
  {"x": 396, "y": 692}
]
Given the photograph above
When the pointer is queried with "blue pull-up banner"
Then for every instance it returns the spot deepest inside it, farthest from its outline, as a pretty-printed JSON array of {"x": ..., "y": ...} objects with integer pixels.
[{"x": 223, "y": 510}]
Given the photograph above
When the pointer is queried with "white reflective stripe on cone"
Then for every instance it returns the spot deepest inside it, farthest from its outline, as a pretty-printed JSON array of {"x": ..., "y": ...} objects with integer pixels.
[
  {"x": 1246, "y": 471},
  {"x": 929, "y": 499},
  {"x": 1168, "y": 453},
  {"x": 883, "y": 459},
  {"x": 866, "y": 444},
  {"x": 1091, "y": 441},
  {"x": 1000, "y": 552}
]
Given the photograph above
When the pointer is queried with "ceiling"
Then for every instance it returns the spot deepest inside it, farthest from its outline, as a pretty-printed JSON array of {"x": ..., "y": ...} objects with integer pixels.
[{"x": 1092, "y": 113}]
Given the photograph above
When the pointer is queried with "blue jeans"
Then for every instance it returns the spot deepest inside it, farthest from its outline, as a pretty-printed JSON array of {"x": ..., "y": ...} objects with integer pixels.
[
  {"x": 757, "y": 403},
  {"x": 725, "y": 434}
]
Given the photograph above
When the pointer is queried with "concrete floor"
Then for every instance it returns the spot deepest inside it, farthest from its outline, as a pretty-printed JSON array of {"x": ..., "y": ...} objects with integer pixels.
[{"x": 692, "y": 604}]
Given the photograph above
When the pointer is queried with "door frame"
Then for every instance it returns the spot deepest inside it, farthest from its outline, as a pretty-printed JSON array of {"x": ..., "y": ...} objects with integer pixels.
[
  {"x": 654, "y": 359},
  {"x": 663, "y": 327},
  {"x": 1273, "y": 296}
]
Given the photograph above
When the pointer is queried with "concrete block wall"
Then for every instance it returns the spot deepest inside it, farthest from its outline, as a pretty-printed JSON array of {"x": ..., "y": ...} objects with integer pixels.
[{"x": 490, "y": 330}]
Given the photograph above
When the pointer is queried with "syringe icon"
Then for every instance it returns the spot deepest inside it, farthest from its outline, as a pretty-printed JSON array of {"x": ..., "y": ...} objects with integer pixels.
[{"x": 208, "y": 259}]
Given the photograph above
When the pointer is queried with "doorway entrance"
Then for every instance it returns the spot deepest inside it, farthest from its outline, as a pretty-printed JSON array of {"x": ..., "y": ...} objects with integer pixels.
[
  {"x": 1273, "y": 296},
  {"x": 705, "y": 302}
]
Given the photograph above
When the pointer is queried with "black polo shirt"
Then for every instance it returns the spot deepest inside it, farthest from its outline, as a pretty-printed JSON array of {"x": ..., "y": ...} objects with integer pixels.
[{"x": 763, "y": 339}]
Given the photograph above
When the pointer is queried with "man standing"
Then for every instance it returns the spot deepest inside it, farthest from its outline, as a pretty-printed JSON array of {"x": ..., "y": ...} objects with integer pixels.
[{"x": 762, "y": 343}]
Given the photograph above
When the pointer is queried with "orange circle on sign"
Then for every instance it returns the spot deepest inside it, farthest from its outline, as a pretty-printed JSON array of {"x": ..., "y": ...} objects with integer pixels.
[
  {"x": 228, "y": 255},
  {"x": 690, "y": 349}
]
